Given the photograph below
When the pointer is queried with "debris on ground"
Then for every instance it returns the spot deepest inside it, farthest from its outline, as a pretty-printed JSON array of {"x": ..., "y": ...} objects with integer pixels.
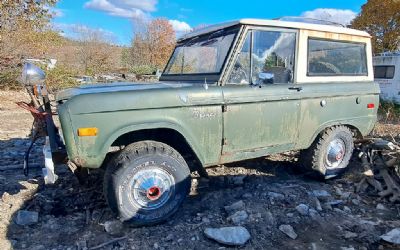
[
  {"x": 232, "y": 236},
  {"x": 288, "y": 230}
]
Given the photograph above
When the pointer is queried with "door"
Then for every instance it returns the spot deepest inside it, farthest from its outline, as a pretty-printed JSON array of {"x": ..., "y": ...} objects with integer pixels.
[{"x": 262, "y": 104}]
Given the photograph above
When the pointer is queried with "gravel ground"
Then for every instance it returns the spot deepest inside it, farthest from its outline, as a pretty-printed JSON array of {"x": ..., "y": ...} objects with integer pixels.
[{"x": 280, "y": 207}]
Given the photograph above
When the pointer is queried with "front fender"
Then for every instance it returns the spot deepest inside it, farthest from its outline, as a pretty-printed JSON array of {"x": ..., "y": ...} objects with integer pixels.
[{"x": 155, "y": 125}]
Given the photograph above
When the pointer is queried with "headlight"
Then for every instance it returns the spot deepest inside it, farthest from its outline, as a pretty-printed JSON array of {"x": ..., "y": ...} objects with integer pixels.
[{"x": 32, "y": 75}]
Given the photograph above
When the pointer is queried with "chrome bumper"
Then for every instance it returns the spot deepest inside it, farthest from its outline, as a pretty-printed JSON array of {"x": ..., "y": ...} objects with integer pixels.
[{"x": 49, "y": 175}]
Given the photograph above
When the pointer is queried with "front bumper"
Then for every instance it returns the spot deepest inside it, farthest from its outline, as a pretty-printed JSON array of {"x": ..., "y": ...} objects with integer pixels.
[{"x": 49, "y": 174}]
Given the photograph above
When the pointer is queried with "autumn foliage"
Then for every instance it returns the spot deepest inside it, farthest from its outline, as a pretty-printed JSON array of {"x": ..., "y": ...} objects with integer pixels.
[
  {"x": 153, "y": 44},
  {"x": 381, "y": 19}
]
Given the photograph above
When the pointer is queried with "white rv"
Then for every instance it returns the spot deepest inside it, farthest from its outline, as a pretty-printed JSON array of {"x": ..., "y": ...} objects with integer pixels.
[{"x": 387, "y": 74}]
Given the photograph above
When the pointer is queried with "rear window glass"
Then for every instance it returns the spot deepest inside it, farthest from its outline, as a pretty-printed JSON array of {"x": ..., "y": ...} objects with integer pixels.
[
  {"x": 336, "y": 58},
  {"x": 384, "y": 72}
]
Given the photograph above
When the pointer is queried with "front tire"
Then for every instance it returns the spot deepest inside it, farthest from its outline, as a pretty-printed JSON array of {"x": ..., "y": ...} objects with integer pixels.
[
  {"x": 330, "y": 153},
  {"x": 146, "y": 183}
]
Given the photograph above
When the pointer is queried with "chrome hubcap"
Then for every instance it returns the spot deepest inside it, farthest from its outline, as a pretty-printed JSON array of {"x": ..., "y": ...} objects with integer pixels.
[
  {"x": 335, "y": 153},
  {"x": 151, "y": 188}
]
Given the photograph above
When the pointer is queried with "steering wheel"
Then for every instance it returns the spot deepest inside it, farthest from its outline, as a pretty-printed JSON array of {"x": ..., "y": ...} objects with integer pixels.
[{"x": 239, "y": 74}]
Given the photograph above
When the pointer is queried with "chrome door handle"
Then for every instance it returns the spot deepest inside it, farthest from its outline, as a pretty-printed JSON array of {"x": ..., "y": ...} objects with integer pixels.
[{"x": 296, "y": 88}]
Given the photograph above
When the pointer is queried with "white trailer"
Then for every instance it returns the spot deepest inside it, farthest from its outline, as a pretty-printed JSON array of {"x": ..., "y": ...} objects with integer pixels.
[{"x": 387, "y": 74}]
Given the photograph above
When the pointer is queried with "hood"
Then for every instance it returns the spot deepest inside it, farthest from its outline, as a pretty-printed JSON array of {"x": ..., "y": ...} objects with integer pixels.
[{"x": 114, "y": 87}]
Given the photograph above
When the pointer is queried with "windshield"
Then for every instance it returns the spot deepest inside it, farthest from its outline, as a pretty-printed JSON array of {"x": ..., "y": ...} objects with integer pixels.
[{"x": 201, "y": 55}]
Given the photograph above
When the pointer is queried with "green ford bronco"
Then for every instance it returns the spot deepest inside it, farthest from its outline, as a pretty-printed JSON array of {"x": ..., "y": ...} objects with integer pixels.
[{"x": 233, "y": 91}]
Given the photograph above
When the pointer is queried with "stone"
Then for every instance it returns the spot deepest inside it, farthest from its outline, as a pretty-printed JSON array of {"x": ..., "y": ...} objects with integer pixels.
[
  {"x": 247, "y": 196},
  {"x": 269, "y": 218},
  {"x": 288, "y": 230},
  {"x": 393, "y": 236},
  {"x": 321, "y": 193},
  {"x": 380, "y": 206},
  {"x": 276, "y": 196},
  {"x": 334, "y": 202},
  {"x": 317, "y": 204},
  {"x": 25, "y": 217},
  {"x": 302, "y": 209},
  {"x": 169, "y": 237},
  {"x": 355, "y": 202},
  {"x": 231, "y": 236},
  {"x": 114, "y": 227},
  {"x": 239, "y": 205},
  {"x": 347, "y": 210},
  {"x": 314, "y": 214},
  {"x": 238, "y": 217},
  {"x": 350, "y": 235}
]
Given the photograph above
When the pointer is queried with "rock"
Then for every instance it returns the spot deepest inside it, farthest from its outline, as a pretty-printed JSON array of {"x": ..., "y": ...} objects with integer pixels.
[
  {"x": 321, "y": 193},
  {"x": 269, "y": 218},
  {"x": 156, "y": 246},
  {"x": 290, "y": 215},
  {"x": 232, "y": 236},
  {"x": 347, "y": 248},
  {"x": 314, "y": 214},
  {"x": 380, "y": 206},
  {"x": 302, "y": 209},
  {"x": 349, "y": 235},
  {"x": 205, "y": 220},
  {"x": 27, "y": 217},
  {"x": 114, "y": 227},
  {"x": 238, "y": 217},
  {"x": 347, "y": 210},
  {"x": 82, "y": 245},
  {"x": 317, "y": 204},
  {"x": 288, "y": 230},
  {"x": 276, "y": 196},
  {"x": 239, "y": 205},
  {"x": 6, "y": 197},
  {"x": 392, "y": 236},
  {"x": 334, "y": 202},
  {"x": 355, "y": 202},
  {"x": 169, "y": 237},
  {"x": 247, "y": 196},
  {"x": 345, "y": 195}
]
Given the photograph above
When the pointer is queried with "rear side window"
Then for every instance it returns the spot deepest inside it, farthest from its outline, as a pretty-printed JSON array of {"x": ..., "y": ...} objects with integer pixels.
[
  {"x": 384, "y": 72},
  {"x": 336, "y": 58}
]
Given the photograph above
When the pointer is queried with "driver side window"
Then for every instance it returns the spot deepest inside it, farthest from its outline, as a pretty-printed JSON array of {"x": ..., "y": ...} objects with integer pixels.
[{"x": 267, "y": 57}]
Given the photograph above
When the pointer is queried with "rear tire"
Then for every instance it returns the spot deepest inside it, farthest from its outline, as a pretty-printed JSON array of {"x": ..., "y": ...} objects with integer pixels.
[
  {"x": 330, "y": 153},
  {"x": 146, "y": 183}
]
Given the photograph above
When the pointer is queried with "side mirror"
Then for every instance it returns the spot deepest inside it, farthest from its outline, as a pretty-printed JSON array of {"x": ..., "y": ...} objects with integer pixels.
[
  {"x": 266, "y": 77},
  {"x": 32, "y": 74}
]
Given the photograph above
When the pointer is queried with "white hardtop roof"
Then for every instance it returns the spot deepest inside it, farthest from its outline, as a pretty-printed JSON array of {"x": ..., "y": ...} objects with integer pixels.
[{"x": 277, "y": 23}]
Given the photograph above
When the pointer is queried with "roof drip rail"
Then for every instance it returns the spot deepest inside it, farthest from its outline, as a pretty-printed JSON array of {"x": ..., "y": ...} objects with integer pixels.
[{"x": 307, "y": 20}]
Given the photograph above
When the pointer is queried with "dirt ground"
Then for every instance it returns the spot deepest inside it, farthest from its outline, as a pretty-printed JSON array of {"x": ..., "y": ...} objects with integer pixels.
[{"x": 73, "y": 216}]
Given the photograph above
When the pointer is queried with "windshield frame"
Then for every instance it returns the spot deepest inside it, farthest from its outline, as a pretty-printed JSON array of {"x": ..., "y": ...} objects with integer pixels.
[{"x": 201, "y": 77}]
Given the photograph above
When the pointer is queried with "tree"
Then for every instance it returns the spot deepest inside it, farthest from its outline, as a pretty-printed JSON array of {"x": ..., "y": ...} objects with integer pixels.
[
  {"x": 153, "y": 44},
  {"x": 380, "y": 18},
  {"x": 24, "y": 33},
  {"x": 94, "y": 50}
]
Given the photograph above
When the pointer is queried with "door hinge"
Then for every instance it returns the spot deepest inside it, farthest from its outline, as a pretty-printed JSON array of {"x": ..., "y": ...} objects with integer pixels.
[
  {"x": 224, "y": 141},
  {"x": 224, "y": 108}
]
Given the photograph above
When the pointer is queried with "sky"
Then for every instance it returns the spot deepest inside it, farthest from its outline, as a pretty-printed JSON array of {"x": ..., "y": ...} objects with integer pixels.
[{"x": 117, "y": 18}]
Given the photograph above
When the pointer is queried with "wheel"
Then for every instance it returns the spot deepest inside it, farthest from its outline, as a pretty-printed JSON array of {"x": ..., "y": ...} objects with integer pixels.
[
  {"x": 146, "y": 183},
  {"x": 330, "y": 153}
]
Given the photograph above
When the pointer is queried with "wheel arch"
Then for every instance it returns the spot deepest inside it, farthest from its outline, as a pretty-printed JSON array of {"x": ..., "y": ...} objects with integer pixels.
[
  {"x": 353, "y": 128},
  {"x": 170, "y": 134}
]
